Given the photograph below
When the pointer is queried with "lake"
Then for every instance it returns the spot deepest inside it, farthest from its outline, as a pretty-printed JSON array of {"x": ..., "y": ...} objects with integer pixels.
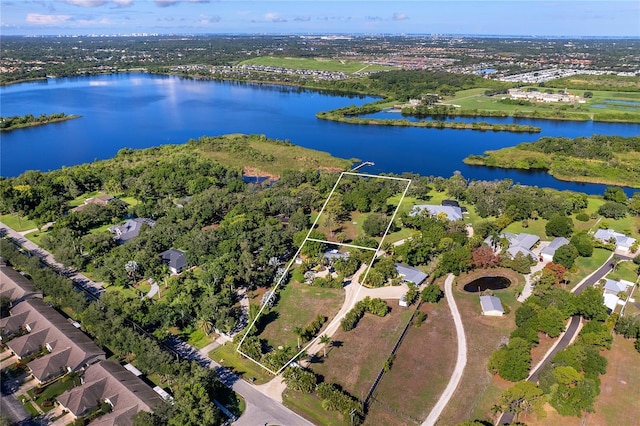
[{"x": 139, "y": 110}]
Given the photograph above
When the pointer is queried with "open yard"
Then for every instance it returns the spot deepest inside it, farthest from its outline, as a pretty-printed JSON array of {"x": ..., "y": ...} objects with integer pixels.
[
  {"x": 478, "y": 390},
  {"x": 624, "y": 271},
  {"x": 618, "y": 402},
  {"x": 367, "y": 347},
  {"x": 310, "y": 407},
  {"x": 298, "y": 306},
  {"x": 18, "y": 223},
  {"x": 421, "y": 370}
]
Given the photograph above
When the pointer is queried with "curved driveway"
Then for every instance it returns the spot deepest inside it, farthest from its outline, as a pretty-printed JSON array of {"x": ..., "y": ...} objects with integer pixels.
[{"x": 461, "y": 361}]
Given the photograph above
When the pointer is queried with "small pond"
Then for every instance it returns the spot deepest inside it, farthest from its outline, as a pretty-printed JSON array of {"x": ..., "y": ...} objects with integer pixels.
[{"x": 487, "y": 283}]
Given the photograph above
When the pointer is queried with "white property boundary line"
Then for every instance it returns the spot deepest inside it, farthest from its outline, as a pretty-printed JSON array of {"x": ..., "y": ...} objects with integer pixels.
[{"x": 295, "y": 256}]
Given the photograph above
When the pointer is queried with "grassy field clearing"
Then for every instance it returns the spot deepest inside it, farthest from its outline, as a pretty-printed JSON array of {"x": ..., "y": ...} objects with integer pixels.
[
  {"x": 345, "y": 66},
  {"x": 586, "y": 265},
  {"x": 367, "y": 346},
  {"x": 298, "y": 306},
  {"x": 625, "y": 271},
  {"x": 17, "y": 223},
  {"x": 257, "y": 155},
  {"x": 420, "y": 373}
]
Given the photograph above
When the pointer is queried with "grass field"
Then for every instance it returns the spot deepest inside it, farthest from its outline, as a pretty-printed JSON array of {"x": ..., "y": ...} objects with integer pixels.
[
  {"x": 478, "y": 390},
  {"x": 257, "y": 155},
  {"x": 318, "y": 64},
  {"x": 17, "y": 223},
  {"x": 367, "y": 347},
  {"x": 625, "y": 271},
  {"x": 536, "y": 227},
  {"x": 310, "y": 407},
  {"x": 602, "y": 104},
  {"x": 227, "y": 356},
  {"x": 298, "y": 306},
  {"x": 411, "y": 388}
]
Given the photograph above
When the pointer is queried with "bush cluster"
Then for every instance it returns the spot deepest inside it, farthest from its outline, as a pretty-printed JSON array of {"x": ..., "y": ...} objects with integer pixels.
[{"x": 375, "y": 306}]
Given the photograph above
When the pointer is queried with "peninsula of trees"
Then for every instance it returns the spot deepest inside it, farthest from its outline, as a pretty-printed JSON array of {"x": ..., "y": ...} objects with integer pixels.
[
  {"x": 612, "y": 160},
  {"x": 29, "y": 120}
]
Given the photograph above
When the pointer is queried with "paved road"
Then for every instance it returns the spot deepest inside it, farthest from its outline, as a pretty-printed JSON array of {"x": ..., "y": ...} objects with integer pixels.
[
  {"x": 94, "y": 288},
  {"x": 573, "y": 327},
  {"x": 461, "y": 360},
  {"x": 10, "y": 407}
]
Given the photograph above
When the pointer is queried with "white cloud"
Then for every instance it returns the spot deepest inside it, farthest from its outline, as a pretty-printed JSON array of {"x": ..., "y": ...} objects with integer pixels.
[
  {"x": 86, "y": 3},
  {"x": 400, "y": 16},
  {"x": 274, "y": 17},
  {"x": 39, "y": 19},
  {"x": 123, "y": 3}
]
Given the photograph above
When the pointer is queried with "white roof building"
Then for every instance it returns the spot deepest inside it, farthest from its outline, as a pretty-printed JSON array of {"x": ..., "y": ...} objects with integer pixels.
[
  {"x": 622, "y": 242},
  {"x": 548, "y": 252},
  {"x": 491, "y": 306},
  {"x": 452, "y": 212}
]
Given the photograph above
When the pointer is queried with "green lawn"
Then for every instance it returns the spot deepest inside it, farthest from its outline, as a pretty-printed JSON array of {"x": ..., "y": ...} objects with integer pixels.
[
  {"x": 227, "y": 356},
  {"x": 310, "y": 407},
  {"x": 318, "y": 64},
  {"x": 298, "y": 306},
  {"x": 536, "y": 227},
  {"x": 28, "y": 405},
  {"x": 53, "y": 390},
  {"x": 198, "y": 339},
  {"x": 586, "y": 265},
  {"x": 625, "y": 271},
  {"x": 79, "y": 200},
  {"x": 17, "y": 223},
  {"x": 36, "y": 237}
]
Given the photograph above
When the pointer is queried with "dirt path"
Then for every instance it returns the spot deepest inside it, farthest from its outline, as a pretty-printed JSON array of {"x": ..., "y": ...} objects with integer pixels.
[{"x": 461, "y": 360}]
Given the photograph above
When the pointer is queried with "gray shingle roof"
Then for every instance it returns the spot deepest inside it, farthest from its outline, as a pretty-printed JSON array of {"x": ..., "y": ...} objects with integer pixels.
[
  {"x": 453, "y": 213},
  {"x": 16, "y": 287},
  {"x": 408, "y": 273},
  {"x": 491, "y": 303},
  {"x": 621, "y": 239},
  {"x": 130, "y": 229},
  {"x": 554, "y": 245},
  {"x": 175, "y": 259}
]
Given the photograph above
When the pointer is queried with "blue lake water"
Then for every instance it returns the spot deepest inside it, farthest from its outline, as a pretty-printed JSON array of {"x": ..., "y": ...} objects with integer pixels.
[{"x": 138, "y": 110}]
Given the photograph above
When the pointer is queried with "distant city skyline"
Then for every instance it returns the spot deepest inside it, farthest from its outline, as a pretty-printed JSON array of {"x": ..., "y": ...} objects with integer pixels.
[{"x": 474, "y": 17}]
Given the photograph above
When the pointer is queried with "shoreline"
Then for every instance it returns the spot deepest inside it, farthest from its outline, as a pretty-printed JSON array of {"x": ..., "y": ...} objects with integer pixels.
[
  {"x": 581, "y": 179},
  {"x": 41, "y": 123}
]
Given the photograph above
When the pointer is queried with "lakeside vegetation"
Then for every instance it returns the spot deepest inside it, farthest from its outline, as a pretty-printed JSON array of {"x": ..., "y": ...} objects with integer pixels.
[
  {"x": 315, "y": 64},
  {"x": 29, "y": 120},
  {"x": 350, "y": 115},
  {"x": 612, "y": 160}
]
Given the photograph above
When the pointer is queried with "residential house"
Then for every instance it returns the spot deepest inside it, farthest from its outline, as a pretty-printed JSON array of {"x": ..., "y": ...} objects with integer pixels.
[
  {"x": 518, "y": 243},
  {"x": 409, "y": 274},
  {"x": 621, "y": 241},
  {"x": 491, "y": 306},
  {"x": 611, "y": 290},
  {"x": 452, "y": 213},
  {"x": 333, "y": 255},
  {"x": 16, "y": 287},
  {"x": 101, "y": 200},
  {"x": 130, "y": 229},
  {"x": 69, "y": 349},
  {"x": 109, "y": 382},
  {"x": 549, "y": 251},
  {"x": 174, "y": 259}
]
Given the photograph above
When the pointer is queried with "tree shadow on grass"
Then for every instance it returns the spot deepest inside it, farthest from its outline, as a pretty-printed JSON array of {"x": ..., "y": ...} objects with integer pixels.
[{"x": 265, "y": 320}]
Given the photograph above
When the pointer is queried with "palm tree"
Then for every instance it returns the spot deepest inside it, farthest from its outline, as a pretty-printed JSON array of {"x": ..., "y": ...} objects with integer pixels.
[
  {"x": 326, "y": 341},
  {"x": 206, "y": 325},
  {"x": 298, "y": 332}
]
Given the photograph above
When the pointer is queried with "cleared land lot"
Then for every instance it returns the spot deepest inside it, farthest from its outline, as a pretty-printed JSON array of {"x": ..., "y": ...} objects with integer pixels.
[
  {"x": 299, "y": 304},
  {"x": 356, "y": 356},
  {"x": 421, "y": 370}
]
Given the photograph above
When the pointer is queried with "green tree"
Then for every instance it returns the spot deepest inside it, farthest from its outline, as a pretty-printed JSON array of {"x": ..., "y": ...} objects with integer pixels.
[
  {"x": 613, "y": 210},
  {"x": 566, "y": 255},
  {"x": 559, "y": 226},
  {"x": 551, "y": 321},
  {"x": 616, "y": 194},
  {"x": 583, "y": 242},
  {"x": 431, "y": 294},
  {"x": 375, "y": 224},
  {"x": 325, "y": 341},
  {"x": 522, "y": 398}
]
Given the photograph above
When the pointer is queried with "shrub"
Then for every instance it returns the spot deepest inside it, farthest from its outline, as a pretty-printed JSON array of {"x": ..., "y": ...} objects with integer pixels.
[
  {"x": 432, "y": 294},
  {"x": 582, "y": 217},
  {"x": 419, "y": 318}
]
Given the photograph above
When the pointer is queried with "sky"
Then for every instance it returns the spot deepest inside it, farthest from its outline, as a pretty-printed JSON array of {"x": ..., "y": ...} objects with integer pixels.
[{"x": 482, "y": 17}]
